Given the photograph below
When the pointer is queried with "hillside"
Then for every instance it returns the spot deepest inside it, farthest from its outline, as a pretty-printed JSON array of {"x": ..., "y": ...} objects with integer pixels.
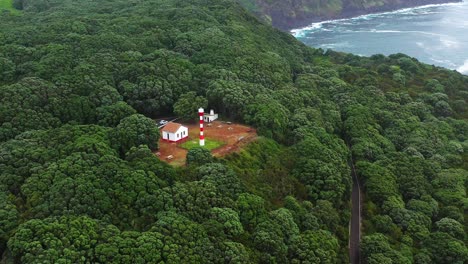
[
  {"x": 81, "y": 80},
  {"x": 290, "y": 14},
  {"x": 7, "y": 5}
]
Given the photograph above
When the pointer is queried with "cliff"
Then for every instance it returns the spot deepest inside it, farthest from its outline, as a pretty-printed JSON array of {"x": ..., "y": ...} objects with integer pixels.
[{"x": 290, "y": 14}]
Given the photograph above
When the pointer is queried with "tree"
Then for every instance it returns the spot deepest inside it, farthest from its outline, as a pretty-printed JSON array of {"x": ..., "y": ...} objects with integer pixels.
[
  {"x": 384, "y": 224},
  {"x": 434, "y": 86},
  {"x": 112, "y": 115},
  {"x": 131, "y": 246},
  {"x": 379, "y": 258},
  {"x": 105, "y": 96},
  {"x": 223, "y": 178},
  {"x": 183, "y": 235},
  {"x": 9, "y": 217},
  {"x": 196, "y": 199},
  {"x": 7, "y": 68},
  {"x": 270, "y": 117},
  {"x": 321, "y": 166},
  {"x": 380, "y": 183},
  {"x": 314, "y": 247},
  {"x": 251, "y": 209},
  {"x": 136, "y": 130},
  {"x": 451, "y": 227},
  {"x": 445, "y": 249},
  {"x": 376, "y": 247},
  {"x": 229, "y": 220},
  {"x": 29, "y": 104},
  {"x": 408, "y": 64},
  {"x": 285, "y": 220},
  {"x": 270, "y": 241},
  {"x": 428, "y": 206},
  {"x": 59, "y": 240},
  {"x": 327, "y": 215},
  {"x": 199, "y": 156},
  {"x": 228, "y": 96},
  {"x": 448, "y": 185},
  {"x": 235, "y": 253},
  {"x": 188, "y": 104}
]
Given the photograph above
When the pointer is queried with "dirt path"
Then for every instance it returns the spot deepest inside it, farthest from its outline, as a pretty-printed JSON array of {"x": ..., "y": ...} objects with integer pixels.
[{"x": 234, "y": 137}]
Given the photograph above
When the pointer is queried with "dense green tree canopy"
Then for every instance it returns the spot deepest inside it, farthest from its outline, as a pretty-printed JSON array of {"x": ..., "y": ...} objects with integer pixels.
[
  {"x": 80, "y": 82},
  {"x": 188, "y": 104},
  {"x": 136, "y": 130}
]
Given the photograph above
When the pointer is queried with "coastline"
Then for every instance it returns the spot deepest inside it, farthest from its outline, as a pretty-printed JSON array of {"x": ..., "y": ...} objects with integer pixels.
[
  {"x": 300, "y": 22},
  {"x": 441, "y": 46},
  {"x": 296, "y": 32}
]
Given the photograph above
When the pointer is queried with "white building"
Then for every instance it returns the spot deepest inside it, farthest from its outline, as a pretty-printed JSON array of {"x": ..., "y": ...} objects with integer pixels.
[
  {"x": 210, "y": 117},
  {"x": 174, "y": 132}
]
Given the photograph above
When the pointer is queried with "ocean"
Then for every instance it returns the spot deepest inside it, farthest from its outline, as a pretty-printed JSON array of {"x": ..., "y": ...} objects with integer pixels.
[{"x": 434, "y": 34}]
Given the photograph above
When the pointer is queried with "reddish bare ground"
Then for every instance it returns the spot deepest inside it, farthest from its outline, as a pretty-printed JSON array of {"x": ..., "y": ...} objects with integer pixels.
[{"x": 234, "y": 136}]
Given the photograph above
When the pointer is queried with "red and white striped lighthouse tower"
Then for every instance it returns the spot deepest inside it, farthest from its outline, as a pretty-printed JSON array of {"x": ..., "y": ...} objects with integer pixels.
[{"x": 201, "y": 112}]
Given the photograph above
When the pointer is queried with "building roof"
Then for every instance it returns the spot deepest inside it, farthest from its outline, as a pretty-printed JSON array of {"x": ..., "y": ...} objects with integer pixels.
[{"x": 172, "y": 127}]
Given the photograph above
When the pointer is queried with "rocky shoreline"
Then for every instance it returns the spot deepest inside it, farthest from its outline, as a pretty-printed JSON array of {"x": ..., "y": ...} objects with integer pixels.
[{"x": 302, "y": 19}]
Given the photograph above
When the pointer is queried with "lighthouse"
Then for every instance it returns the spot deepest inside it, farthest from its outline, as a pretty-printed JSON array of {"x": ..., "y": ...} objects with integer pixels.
[{"x": 201, "y": 112}]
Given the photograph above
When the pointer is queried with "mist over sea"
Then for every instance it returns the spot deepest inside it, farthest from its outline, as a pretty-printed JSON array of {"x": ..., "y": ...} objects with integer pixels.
[{"x": 434, "y": 34}]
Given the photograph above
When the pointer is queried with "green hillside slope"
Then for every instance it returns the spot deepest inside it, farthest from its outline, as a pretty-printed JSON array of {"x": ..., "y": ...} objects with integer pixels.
[
  {"x": 81, "y": 80},
  {"x": 291, "y": 14},
  {"x": 7, "y": 5}
]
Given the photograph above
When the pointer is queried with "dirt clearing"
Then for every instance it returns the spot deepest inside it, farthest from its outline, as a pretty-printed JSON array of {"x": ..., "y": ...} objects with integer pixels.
[{"x": 234, "y": 136}]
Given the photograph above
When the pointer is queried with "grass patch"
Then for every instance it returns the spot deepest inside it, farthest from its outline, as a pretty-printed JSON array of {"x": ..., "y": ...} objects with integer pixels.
[
  {"x": 210, "y": 144},
  {"x": 8, "y": 5}
]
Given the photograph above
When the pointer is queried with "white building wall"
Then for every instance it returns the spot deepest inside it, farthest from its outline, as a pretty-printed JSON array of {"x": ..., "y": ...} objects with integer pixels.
[
  {"x": 168, "y": 136},
  {"x": 210, "y": 118},
  {"x": 183, "y": 133},
  {"x": 178, "y": 135}
]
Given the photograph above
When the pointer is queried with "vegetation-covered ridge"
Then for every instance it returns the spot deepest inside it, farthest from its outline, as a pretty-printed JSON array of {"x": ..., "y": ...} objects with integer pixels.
[
  {"x": 81, "y": 80},
  {"x": 290, "y": 14},
  {"x": 7, "y": 5}
]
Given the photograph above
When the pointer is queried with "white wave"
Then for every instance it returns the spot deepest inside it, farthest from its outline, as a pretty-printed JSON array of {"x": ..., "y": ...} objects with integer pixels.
[
  {"x": 450, "y": 43},
  {"x": 464, "y": 68},
  {"x": 445, "y": 37},
  {"x": 301, "y": 31},
  {"x": 444, "y": 62},
  {"x": 420, "y": 8},
  {"x": 386, "y": 31},
  {"x": 420, "y": 44},
  {"x": 344, "y": 44},
  {"x": 420, "y": 32},
  {"x": 314, "y": 26},
  {"x": 454, "y": 22}
]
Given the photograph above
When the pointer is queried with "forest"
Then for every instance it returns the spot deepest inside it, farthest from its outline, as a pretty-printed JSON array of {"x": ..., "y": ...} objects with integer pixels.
[{"x": 82, "y": 80}]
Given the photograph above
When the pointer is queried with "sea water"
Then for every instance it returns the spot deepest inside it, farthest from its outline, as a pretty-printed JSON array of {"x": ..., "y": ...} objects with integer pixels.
[{"x": 434, "y": 34}]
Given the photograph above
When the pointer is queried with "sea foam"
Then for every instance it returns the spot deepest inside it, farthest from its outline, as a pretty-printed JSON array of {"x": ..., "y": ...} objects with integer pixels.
[
  {"x": 464, "y": 68},
  {"x": 300, "y": 32}
]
